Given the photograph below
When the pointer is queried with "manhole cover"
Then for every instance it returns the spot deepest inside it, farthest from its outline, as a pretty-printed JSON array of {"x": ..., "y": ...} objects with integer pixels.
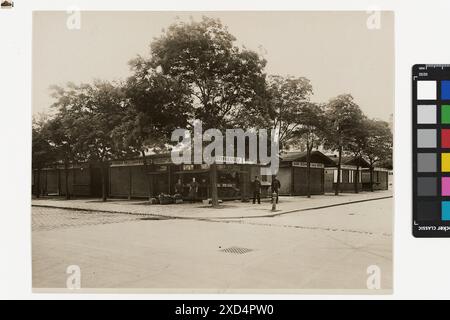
[{"x": 236, "y": 250}]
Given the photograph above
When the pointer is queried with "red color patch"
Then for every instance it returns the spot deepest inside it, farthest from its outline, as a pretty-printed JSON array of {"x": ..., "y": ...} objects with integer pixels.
[{"x": 445, "y": 138}]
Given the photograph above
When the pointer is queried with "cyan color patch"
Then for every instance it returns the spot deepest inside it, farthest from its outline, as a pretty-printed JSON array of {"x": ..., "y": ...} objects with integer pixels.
[{"x": 445, "y": 211}]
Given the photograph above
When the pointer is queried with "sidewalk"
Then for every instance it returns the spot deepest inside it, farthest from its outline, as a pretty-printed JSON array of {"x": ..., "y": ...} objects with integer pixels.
[{"x": 227, "y": 210}]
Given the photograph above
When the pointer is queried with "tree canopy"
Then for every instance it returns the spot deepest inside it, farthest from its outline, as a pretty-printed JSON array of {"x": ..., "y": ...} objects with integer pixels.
[
  {"x": 289, "y": 104},
  {"x": 224, "y": 81}
]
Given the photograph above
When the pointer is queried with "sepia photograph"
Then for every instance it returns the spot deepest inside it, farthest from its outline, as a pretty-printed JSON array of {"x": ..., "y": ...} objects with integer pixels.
[{"x": 212, "y": 152}]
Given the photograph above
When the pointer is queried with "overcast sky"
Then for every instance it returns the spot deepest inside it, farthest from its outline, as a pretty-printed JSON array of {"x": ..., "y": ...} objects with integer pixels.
[{"x": 335, "y": 50}]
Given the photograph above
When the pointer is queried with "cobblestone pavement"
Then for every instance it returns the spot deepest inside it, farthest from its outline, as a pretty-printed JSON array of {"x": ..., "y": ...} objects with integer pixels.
[{"x": 44, "y": 219}]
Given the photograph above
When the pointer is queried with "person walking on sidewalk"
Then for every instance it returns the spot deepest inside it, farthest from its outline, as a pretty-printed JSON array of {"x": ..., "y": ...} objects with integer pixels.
[
  {"x": 276, "y": 185},
  {"x": 256, "y": 190},
  {"x": 193, "y": 190}
]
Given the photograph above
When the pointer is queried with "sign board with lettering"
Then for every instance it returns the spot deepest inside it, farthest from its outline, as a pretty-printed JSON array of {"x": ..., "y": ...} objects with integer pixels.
[
  {"x": 132, "y": 162},
  {"x": 305, "y": 165}
]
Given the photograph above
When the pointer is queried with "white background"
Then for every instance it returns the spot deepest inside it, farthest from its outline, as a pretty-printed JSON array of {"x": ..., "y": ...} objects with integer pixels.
[{"x": 421, "y": 266}]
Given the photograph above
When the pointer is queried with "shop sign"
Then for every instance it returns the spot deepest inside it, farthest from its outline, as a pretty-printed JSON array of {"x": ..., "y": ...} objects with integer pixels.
[
  {"x": 228, "y": 159},
  {"x": 132, "y": 162},
  {"x": 305, "y": 164}
]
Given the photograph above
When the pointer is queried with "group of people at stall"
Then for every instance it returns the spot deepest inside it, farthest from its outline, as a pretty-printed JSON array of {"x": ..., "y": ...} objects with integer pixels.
[{"x": 198, "y": 191}]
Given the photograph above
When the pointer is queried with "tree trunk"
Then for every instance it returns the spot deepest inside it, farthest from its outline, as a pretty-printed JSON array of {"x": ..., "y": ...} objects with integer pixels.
[
  {"x": 371, "y": 178},
  {"x": 356, "y": 179},
  {"x": 45, "y": 193},
  {"x": 146, "y": 168},
  {"x": 102, "y": 170},
  {"x": 66, "y": 175},
  {"x": 213, "y": 179},
  {"x": 58, "y": 172},
  {"x": 308, "y": 170},
  {"x": 38, "y": 183},
  {"x": 242, "y": 179},
  {"x": 338, "y": 182},
  {"x": 74, "y": 195},
  {"x": 130, "y": 183}
]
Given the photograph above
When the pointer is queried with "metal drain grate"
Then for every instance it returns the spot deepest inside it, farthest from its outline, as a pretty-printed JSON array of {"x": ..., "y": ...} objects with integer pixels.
[{"x": 236, "y": 250}]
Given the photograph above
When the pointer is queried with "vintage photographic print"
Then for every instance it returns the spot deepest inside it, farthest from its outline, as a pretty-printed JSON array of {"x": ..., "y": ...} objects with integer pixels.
[{"x": 223, "y": 152}]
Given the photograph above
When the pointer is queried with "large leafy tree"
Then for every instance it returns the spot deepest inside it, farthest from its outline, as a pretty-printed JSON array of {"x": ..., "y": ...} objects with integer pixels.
[
  {"x": 309, "y": 132},
  {"x": 289, "y": 106},
  {"x": 355, "y": 147},
  {"x": 378, "y": 146},
  {"x": 103, "y": 113},
  {"x": 59, "y": 131},
  {"x": 43, "y": 154},
  {"x": 342, "y": 116},
  {"x": 224, "y": 81},
  {"x": 91, "y": 113},
  {"x": 156, "y": 104},
  {"x": 62, "y": 128}
]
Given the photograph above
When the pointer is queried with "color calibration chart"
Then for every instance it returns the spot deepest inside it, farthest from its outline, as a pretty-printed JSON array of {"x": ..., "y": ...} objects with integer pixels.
[{"x": 431, "y": 150}]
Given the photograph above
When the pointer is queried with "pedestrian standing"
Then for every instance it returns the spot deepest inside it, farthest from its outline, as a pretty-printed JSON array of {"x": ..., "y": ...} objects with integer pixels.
[
  {"x": 276, "y": 185},
  {"x": 203, "y": 190},
  {"x": 256, "y": 190}
]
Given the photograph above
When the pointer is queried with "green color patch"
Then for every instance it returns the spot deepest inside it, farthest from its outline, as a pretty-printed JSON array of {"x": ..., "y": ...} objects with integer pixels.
[{"x": 445, "y": 114}]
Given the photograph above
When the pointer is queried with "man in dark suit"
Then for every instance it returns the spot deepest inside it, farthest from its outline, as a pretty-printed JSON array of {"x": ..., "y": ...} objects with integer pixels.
[
  {"x": 256, "y": 190},
  {"x": 276, "y": 185}
]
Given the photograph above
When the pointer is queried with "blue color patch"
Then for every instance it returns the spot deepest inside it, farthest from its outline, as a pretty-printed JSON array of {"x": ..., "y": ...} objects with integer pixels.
[
  {"x": 445, "y": 90},
  {"x": 445, "y": 210}
]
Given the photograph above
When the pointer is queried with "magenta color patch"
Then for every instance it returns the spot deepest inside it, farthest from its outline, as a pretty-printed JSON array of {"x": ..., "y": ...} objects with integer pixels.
[{"x": 446, "y": 186}]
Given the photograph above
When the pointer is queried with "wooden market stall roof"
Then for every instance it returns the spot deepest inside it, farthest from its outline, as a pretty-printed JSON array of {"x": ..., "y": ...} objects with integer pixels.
[
  {"x": 316, "y": 157},
  {"x": 350, "y": 161}
]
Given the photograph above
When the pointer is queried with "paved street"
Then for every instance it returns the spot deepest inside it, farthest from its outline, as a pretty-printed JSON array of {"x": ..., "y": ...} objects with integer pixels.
[{"x": 328, "y": 248}]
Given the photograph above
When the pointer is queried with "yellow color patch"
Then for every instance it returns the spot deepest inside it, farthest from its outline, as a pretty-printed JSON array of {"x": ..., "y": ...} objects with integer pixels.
[{"x": 445, "y": 162}]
